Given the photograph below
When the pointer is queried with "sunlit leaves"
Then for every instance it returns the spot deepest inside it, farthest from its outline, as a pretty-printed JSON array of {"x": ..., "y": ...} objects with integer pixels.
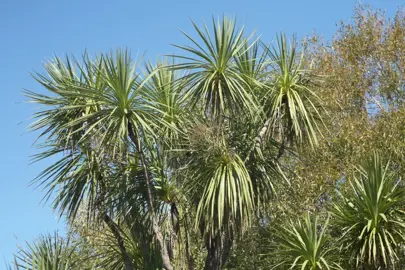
[
  {"x": 47, "y": 253},
  {"x": 214, "y": 81},
  {"x": 218, "y": 181},
  {"x": 86, "y": 119},
  {"x": 175, "y": 136},
  {"x": 370, "y": 217},
  {"x": 290, "y": 103},
  {"x": 304, "y": 245},
  {"x": 165, "y": 91}
]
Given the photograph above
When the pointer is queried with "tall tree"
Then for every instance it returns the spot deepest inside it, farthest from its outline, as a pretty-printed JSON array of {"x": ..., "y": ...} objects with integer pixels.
[{"x": 198, "y": 141}]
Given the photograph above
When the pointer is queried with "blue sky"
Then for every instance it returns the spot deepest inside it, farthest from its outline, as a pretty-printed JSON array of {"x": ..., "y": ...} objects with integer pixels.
[{"x": 33, "y": 31}]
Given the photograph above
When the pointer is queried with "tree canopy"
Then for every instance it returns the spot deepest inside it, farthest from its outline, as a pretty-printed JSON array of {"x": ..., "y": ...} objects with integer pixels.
[{"x": 233, "y": 154}]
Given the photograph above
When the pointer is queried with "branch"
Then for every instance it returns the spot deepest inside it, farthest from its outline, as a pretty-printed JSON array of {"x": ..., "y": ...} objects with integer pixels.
[
  {"x": 155, "y": 225},
  {"x": 117, "y": 234},
  {"x": 114, "y": 227}
]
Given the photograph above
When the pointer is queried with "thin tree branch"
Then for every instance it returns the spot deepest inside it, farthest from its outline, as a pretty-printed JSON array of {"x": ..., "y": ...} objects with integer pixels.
[{"x": 155, "y": 225}]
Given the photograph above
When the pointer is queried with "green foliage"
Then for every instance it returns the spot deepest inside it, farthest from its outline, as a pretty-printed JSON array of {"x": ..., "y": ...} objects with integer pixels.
[
  {"x": 232, "y": 139},
  {"x": 165, "y": 91},
  {"x": 220, "y": 183},
  {"x": 370, "y": 217},
  {"x": 303, "y": 245},
  {"x": 47, "y": 253},
  {"x": 290, "y": 103},
  {"x": 128, "y": 142},
  {"x": 214, "y": 81}
]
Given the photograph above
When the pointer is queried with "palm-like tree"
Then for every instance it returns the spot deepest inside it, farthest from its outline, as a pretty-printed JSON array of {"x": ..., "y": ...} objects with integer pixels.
[
  {"x": 303, "y": 245},
  {"x": 217, "y": 178},
  {"x": 96, "y": 118},
  {"x": 234, "y": 83},
  {"x": 158, "y": 142},
  {"x": 48, "y": 252},
  {"x": 370, "y": 217}
]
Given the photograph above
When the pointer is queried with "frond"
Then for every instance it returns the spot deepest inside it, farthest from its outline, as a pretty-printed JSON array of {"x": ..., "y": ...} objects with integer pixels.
[
  {"x": 48, "y": 252},
  {"x": 291, "y": 105},
  {"x": 303, "y": 245},
  {"x": 165, "y": 90},
  {"x": 371, "y": 217},
  {"x": 214, "y": 80}
]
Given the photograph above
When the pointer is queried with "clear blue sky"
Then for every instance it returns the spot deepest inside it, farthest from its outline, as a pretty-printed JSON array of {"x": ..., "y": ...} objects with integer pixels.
[{"x": 32, "y": 31}]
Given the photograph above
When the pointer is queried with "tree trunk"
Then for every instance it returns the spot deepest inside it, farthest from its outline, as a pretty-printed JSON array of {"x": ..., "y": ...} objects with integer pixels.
[
  {"x": 227, "y": 242},
  {"x": 263, "y": 131},
  {"x": 120, "y": 241},
  {"x": 213, "y": 259},
  {"x": 190, "y": 260},
  {"x": 218, "y": 250},
  {"x": 155, "y": 225},
  {"x": 259, "y": 139}
]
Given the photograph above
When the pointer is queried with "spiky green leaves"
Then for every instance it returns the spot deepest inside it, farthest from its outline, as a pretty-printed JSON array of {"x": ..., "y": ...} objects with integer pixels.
[
  {"x": 111, "y": 257},
  {"x": 98, "y": 96},
  {"x": 290, "y": 103},
  {"x": 75, "y": 178},
  {"x": 304, "y": 245},
  {"x": 370, "y": 217},
  {"x": 47, "y": 253},
  {"x": 86, "y": 117},
  {"x": 117, "y": 131},
  {"x": 63, "y": 105},
  {"x": 227, "y": 195},
  {"x": 218, "y": 182},
  {"x": 215, "y": 83},
  {"x": 165, "y": 91}
]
